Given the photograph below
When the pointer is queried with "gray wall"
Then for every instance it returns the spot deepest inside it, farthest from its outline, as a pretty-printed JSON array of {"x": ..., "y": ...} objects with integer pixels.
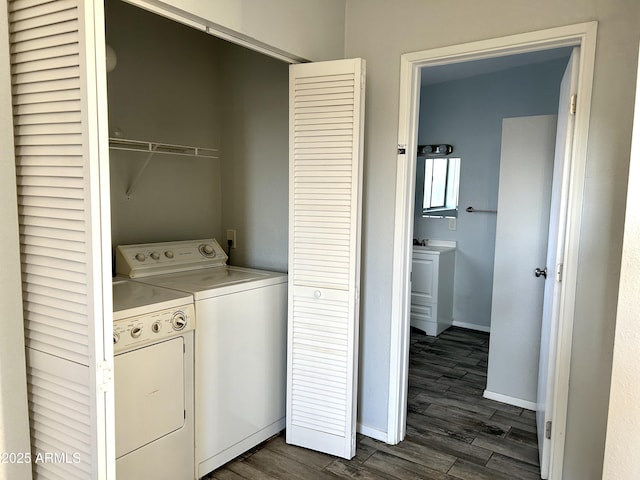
[
  {"x": 158, "y": 92},
  {"x": 468, "y": 114},
  {"x": 381, "y": 31},
  {"x": 255, "y": 157},
  {"x": 622, "y": 456},
  {"x": 174, "y": 84}
]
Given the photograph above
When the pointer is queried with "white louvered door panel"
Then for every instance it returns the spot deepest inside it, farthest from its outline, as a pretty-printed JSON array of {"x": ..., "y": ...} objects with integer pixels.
[
  {"x": 326, "y": 123},
  {"x": 60, "y": 151}
]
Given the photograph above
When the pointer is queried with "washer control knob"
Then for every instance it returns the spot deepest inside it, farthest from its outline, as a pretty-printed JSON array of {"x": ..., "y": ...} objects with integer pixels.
[
  {"x": 140, "y": 257},
  {"x": 155, "y": 327},
  {"x": 168, "y": 254},
  {"x": 155, "y": 255},
  {"x": 207, "y": 250},
  {"x": 179, "y": 321},
  {"x": 116, "y": 337},
  {"x": 136, "y": 332}
]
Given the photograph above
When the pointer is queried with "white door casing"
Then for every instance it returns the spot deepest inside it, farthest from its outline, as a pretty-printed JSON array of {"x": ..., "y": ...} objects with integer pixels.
[
  {"x": 326, "y": 122},
  {"x": 583, "y": 35},
  {"x": 554, "y": 262},
  {"x": 60, "y": 130}
]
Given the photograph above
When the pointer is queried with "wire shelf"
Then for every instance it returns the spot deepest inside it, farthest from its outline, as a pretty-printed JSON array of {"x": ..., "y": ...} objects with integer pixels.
[
  {"x": 153, "y": 148},
  {"x": 161, "y": 148}
]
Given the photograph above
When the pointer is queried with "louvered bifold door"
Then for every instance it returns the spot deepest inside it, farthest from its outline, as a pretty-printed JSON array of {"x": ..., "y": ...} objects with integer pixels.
[
  {"x": 60, "y": 133},
  {"x": 326, "y": 120}
]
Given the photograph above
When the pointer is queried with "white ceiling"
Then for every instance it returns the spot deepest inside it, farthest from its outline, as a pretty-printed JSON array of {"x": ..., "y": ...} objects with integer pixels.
[{"x": 457, "y": 71}]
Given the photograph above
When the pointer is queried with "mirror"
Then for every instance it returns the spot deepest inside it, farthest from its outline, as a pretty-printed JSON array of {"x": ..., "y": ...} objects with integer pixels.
[{"x": 441, "y": 182}]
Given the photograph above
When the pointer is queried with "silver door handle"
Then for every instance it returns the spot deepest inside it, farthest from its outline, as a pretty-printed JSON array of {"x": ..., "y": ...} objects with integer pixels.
[{"x": 541, "y": 272}]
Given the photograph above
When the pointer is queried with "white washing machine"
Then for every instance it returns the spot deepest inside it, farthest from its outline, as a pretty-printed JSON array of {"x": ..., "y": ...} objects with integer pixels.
[
  {"x": 240, "y": 342},
  {"x": 153, "y": 374}
]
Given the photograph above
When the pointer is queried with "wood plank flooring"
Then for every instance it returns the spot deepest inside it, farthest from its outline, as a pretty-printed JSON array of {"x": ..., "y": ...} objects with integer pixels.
[{"x": 452, "y": 431}]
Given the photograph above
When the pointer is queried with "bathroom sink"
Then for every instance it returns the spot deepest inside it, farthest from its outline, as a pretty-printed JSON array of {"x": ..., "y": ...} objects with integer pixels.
[{"x": 433, "y": 248}]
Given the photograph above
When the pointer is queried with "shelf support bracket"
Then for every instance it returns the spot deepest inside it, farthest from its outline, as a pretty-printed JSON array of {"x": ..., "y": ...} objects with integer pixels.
[{"x": 138, "y": 176}]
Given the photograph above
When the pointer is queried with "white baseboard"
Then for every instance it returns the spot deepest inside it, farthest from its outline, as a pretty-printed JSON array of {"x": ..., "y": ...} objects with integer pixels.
[
  {"x": 516, "y": 402},
  {"x": 472, "y": 326},
  {"x": 372, "y": 432}
]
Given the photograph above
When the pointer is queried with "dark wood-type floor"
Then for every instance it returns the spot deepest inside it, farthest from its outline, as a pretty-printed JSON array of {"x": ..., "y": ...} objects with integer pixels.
[{"x": 452, "y": 431}]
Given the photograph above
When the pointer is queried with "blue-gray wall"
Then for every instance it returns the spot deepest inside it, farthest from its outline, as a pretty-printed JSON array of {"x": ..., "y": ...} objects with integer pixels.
[{"x": 468, "y": 114}]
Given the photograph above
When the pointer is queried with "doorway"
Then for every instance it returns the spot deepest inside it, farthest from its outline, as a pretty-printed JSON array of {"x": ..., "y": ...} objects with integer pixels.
[
  {"x": 464, "y": 105},
  {"x": 582, "y": 35}
]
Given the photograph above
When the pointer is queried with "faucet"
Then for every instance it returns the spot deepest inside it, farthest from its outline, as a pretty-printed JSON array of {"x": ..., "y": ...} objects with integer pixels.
[{"x": 422, "y": 242}]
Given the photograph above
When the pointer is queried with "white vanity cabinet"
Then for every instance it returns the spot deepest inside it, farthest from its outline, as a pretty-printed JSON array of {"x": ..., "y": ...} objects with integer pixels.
[{"x": 432, "y": 288}]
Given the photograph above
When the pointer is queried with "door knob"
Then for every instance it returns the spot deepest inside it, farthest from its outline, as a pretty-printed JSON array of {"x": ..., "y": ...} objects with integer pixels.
[{"x": 541, "y": 272}]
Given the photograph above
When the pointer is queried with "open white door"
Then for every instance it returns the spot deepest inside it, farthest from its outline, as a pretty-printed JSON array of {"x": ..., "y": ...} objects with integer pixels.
[
  {"x": 57, "y": 74},
  {"x": 326, "y": 120},
  {"x": 524, "y": 196},
  {"x": 555, "y": 255}
]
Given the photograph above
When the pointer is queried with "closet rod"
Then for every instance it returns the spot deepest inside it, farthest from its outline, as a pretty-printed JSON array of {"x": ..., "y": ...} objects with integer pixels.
[{"x": 476, "y": 210}]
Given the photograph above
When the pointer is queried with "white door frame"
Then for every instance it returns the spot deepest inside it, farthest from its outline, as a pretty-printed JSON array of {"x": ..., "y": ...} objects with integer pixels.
[{"x": 582, "y": 35}]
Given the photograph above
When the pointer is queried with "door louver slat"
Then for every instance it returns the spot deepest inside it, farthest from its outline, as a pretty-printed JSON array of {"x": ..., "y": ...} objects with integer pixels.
[{"x": 45, "y": 30}]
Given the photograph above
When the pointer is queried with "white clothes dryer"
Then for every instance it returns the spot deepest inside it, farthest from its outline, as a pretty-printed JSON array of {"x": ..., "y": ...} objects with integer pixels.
[
  {"x": 153, "y": 377},
  {"x": 240, "y": 342}
]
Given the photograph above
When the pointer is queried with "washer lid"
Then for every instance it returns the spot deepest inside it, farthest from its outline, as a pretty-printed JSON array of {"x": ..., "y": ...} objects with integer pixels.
[
  {"x": 212, "y": 282},
  {"x": 133, "y": 298}
]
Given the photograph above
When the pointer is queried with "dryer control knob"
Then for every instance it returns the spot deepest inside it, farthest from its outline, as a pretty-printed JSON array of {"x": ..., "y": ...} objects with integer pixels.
[
  {"x": 168, "y": 254},
  {"x": 140, "y": 257},
  {"x": 116, "y": 337},
  {"x": 179, "y": 321},
  {"x": 155, "y": 255}
]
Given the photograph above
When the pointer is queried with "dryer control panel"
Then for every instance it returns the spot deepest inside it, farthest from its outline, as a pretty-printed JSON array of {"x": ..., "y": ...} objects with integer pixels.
[
  {"x": 152, "y": 327},
  {"x": 145, "y": 259}
]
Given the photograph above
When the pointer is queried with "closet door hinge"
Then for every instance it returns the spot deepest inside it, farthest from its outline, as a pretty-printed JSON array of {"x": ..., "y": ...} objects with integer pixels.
[
  {"x": 573, "y": 103},
  {"x": 104, "y": 376},
  {"x": 547, "y": 430},
  {"x": 559, "y": 271}
]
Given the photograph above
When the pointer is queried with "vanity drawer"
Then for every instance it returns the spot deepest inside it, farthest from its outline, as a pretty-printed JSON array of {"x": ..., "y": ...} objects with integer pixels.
[
  {"x": 418, "y": 298},
  {"x": 422, "y": 312}
]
